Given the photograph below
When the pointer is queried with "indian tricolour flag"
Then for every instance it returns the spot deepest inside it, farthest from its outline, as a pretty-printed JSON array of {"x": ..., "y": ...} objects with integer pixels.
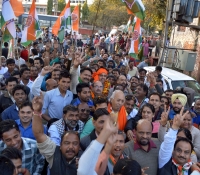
[
  {"x": 31, "y": 26},
  {"x": 128, "y": 25},
  {"x": 10, "y": 31},
  {"x": 64, "y": 20},
  {"x": 136, "y": 41},
  {"x": 10, "y": 10},
  {"x": 136, "y": 7}
]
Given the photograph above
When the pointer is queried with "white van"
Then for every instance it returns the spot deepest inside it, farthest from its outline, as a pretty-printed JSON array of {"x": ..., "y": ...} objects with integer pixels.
[{"x": 176, "y": 79}]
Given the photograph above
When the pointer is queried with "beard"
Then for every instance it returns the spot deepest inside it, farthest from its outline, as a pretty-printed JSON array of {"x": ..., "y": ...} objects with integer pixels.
[
  {"x": 176, "y": 110},
  {"x": 144, "y": 142},
  {"x": 71, "y": 123}
]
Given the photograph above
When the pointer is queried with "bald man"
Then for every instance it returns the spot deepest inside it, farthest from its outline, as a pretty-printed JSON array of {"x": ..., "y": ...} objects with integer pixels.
[
  {"x": 51, "y": 84},
  {"x": 116, "y": 106},
  {"x": 97, "y": 89},
  {"x": 145, "y": 149}
]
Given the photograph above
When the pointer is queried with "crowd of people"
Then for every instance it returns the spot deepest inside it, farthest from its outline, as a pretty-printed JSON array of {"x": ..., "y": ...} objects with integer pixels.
[{"x": 67, "y": 110}]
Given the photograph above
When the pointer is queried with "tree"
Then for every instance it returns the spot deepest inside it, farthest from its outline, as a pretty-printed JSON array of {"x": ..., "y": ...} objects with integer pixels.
[
  {"x": 111, "y": 12},
  {"x": 61, "y": 5},
  {"x": 85, "y": 11},
  {"x": 49, "y": 7},
  {"x": 155, "y": 19}
]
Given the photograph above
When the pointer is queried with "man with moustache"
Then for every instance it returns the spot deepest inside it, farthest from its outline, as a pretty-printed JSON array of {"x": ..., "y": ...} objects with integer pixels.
[
  {"x": 134, "y": 82},
  {"x": 145, "y": 149},
  {"x": 69, "y": 122},
  {"x": 178, "y": 101},
  {"x": 111, "y": 154},
  {"x": 196, "y": 110},
  {"x": 61, "y": 159},
  {"x": 97, "y": 89}
]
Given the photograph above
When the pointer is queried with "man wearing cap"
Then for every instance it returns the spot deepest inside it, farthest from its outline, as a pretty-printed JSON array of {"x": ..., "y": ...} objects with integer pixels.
[{"x": 178, "y": 101}]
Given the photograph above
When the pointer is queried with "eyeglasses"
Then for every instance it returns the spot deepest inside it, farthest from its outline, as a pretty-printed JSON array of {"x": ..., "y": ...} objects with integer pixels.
[
  {"x": 105, "y": 76},
  {"x": 162, "y": 101},
  {"x": 85, "y": 110},
  {"x": 98, "y": 86}
]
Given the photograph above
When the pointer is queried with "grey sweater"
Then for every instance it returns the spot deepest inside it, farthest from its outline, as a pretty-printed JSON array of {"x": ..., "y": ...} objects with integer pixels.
[{"x": 145, "y": 159}]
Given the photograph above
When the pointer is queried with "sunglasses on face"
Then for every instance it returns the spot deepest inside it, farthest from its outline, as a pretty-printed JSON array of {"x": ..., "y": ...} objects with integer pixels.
[{"x": 85, "y": 110}]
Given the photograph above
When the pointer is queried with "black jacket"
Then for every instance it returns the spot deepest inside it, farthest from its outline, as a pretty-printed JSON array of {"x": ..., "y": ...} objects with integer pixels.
[
  {"x": 85, "y": 141},
  {"x": 5, "y": 101},
  {"x": 169, "y": 169}
]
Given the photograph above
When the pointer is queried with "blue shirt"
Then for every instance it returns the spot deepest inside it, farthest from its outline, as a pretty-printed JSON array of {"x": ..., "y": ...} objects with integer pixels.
[
  {"x": 171, "y": 114},
  {"x": 142, "y": 65},
  {"x": 6, "y": 75},
  {"x": 10, "y": 113},
  {"x": 77, "y": 101},
  {"x": 54, "y": 102},
  {"x": 27, "y": 132}
]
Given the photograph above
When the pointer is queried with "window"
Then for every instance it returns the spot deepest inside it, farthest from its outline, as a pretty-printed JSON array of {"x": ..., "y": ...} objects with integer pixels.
[{"x": 41, "y": 9}]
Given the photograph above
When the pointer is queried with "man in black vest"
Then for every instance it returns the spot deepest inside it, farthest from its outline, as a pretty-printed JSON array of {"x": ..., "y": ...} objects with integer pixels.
[
  {"x": 61, "y": 159},
  {"x": 174, "y": 155}
]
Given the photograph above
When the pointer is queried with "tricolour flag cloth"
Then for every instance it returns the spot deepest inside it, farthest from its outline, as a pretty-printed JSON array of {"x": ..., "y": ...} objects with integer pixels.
[
  {"x": 10, "y": 31},
  {"x": 31, "y": 26},
  {"x": 136, "y": 7},
  {"x": 10, "y": 10},
  {"x": 128, "y": 27},
  {"x": 136, "y": 40},
  {"x": 75, "y": 19},
  {"x": 64, "y": 20}
]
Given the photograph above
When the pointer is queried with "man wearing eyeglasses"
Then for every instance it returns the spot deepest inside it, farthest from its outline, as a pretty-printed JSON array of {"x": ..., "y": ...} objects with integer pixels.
[
  {"x": 84, "y": 112},
  {"x": 97, "y": 89}
]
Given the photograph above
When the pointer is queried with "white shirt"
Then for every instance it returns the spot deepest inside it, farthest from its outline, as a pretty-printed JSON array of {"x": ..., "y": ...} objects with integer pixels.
[
  {"x": 20, "y": 61},
  {"x": 91, "y": 154},
  {"x": 30, "y": 83},
  {"x": 3, "y": 70},
  {"x": 37, "y": 85}
]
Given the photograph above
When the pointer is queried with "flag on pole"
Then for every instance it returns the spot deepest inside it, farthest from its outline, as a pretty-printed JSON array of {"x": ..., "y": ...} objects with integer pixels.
[
  {"x": 136, "y": 7},
  {"x": 75, "y": 19},
  {"x": 10, "y": 48},
  {"x": 10, "y": 31},
  {"x": 63, "y": 20},
  {"x": 10, "y": 10},
  {"x": 31, "y": 26},
  {"x": 128, "y": 27},
  {"x": 136, "y": 40}
]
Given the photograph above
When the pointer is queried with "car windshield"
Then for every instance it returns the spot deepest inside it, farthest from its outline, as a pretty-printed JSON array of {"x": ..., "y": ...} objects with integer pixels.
[{"x": 190, "y": 83}]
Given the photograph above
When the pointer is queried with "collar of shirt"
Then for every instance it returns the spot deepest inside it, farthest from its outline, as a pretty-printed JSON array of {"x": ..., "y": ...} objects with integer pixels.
[
  {"x": 138, "y": 146},
  {"x": 58, "y": 93},
  {"x": 19, "y": 123},
  {"x": 16, "y": 107},
  {"x": 29, "y": 82}
]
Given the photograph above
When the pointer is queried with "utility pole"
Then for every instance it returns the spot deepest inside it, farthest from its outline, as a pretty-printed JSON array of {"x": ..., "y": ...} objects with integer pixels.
[{"x": 167, "y": 20}]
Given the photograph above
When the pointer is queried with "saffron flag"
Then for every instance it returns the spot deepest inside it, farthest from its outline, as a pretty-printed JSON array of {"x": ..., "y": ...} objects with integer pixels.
[
  {"x": 31, "y": 26},
  {"x": 75, "y": 19},
  {"x": 63, "y": 20},
  {"x": 136, "y": 7},
  {"x": 136, "y": 40}
]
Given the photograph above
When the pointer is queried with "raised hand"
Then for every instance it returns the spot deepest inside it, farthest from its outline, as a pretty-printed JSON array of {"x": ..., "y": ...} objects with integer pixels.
[
  {"x": 46, "y": 70},
  {"x": 164, "y": 116},
  {"x": 178, "y": 119},
  {"x": 78, "y": 58},
  {"x": 37, "y": 103}
]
